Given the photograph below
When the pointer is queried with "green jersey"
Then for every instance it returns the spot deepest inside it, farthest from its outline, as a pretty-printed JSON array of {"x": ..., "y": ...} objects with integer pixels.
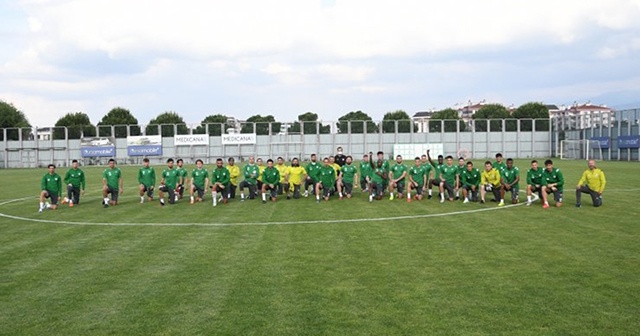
[
  {"x": 534, "y": 177},
  {"x": 170, "y": 177},
  {"x": 327, "y": 176},
  {"x": 75, "y": 177},
  {"x": 427, "y": 169},
  {"x": 270, "y": 175},
  {"x": 199, "y": 176},
  {"x": 147, "y": 176},
  {"x": 461, "y": 169},
  {"x": 449, "y": 174},
  {"x": 312, "y": 170},
  {"x": 112, "y": 176},
  {"x": 348, "y": 173},
  {"x": 501, "y": 167},
  {"x": 221, "y": 175},
  {"x": 470, "y": 178},
  {"x": 365, "y": 169},
  {"x": 509, "y": 175},
  {"x": 378, "y": 175},
  {"x": 437, "y": 169},
  {"x": 385, "y": 166},
  {"x": 52, "y": 183},
  {"x": 250, "y": 173},
  {"x": 397, "y": 170},
  {"x": 182, "y": 174},
  {"x": 553, "y": 176},
  {"x": 417, "y": 174}
]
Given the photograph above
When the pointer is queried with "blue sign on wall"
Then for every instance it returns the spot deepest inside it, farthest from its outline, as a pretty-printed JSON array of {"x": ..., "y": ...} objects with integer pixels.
[
  {"x": 629, "y": 141},
  {"x": 98, "y": 151},
  {"x": 148, "y": 150},
  {"x": 605, "y": 142}
]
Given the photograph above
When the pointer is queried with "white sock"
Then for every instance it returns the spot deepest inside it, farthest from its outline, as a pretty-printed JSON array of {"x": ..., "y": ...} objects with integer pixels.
[
  {"x": 41, "y": 205},
  {"x": 430, "y": 192},
  {"x": 529, "y": 198},
  {"x": 264, "y": 196},
  {"x": 192, "y": 199},
  {"x": 214, "y": 195},
  {"x": 442, "y": 196},
  {"x": 391, "y": 194},
  {"x": 162, "y": 200},
  {"x": 141, "y": 198},
  {"x": 318, "y": 197},
  {"x": 106, "y": 200},
  {"x": 241, "y": 195},
  {"x": 340, "y": 193},
  {"x": 458, "y": 193},
  {"x": 408, "y": 195}
]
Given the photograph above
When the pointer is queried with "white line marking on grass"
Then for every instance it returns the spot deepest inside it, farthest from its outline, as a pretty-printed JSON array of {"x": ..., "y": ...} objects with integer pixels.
[{"x": 354, "y": 220}]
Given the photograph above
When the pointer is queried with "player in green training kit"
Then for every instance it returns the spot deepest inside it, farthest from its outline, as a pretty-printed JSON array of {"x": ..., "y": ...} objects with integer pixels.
[
  {"x": 111, "y": 184},
  {"x": 365, "y": 173},
  {"x": 250, "y": 172},
  {"x": 553, "y": 181},
  {"x": 51, "y": 186},
  {"x": 417, "y": 180},
  {"x": 312, "y": 175},
  {"x": 348, "y": 178},
  {"x": 326, "y": 180},
  {"x": 470, "y": 180},
  {"x": 378, "y": 177},
  {"x": 510, "y": 180},
  {"x": 270, "y": 181},
  {"x": 182, "y": 179},
  {"x": 220, "y": 179},
  {"x": 436, "y": 170},
  {"x": 534, "y": 183},
  {"x": 448, "y": 176},
  {"x": 75, "y": 180},
  {"x": 397, "y": 175},
  {"x": 199, "y": 182},
  {"x": 147, "y": 180},
  {"x": 169, "y": 183}
]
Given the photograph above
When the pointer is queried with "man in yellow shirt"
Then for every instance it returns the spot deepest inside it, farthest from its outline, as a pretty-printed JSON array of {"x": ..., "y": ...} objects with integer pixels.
[
  {"x": 592, "y": 182},
  {"x": 284, "y": 176},
  {"x": 234, "y": 175},
  {"x": 297, "y": 175},
  {"x": 490, "y": 181}
]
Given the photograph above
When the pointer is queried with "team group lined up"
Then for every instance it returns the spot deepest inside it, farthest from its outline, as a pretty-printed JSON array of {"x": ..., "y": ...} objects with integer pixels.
[{"x": 335, "y": 175}]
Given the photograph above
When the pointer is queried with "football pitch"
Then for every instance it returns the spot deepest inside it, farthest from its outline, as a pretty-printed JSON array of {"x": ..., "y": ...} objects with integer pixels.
[{"x": 342, "y": 267}]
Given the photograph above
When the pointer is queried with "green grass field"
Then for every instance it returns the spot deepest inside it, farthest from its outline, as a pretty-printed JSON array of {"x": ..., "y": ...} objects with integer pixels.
[{"x": 288, "y": 268}]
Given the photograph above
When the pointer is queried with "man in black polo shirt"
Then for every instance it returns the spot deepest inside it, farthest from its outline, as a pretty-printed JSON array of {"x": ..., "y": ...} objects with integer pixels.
[{"x": 340, "y": 158}]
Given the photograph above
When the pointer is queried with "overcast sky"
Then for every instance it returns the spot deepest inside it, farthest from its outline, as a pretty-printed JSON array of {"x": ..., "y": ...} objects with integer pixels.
[{"x": 287, "y": 57}]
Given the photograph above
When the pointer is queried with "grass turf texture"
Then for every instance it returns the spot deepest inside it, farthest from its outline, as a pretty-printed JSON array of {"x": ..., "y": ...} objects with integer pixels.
[{"x": 513, "y": 271}]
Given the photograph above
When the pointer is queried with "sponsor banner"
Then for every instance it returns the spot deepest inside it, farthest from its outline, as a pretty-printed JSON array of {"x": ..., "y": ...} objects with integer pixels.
[
  {"x": 191, "y": 139},
  {"x": 149, "y": 145},
  {"x": 98, "y": 151},
  {"x": 149, "y": 150},
  {"x": 410, "y": 151},
  {"x": 239, "y": 139},
  {"x": 97, "y": 147},
  {"x": 629, "y": 141},
  {"x": 605, "y": 142}
]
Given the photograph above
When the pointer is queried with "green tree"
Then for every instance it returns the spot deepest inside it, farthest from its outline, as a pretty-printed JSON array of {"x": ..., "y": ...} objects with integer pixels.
[
  {"x": 11, "y": 117},
  {"x": 217, "y": 124},
  {"x": 119, "y": 117},
  {"x": 404, "y": 122},
  {"x": 309, "y": 124},
  {"x": 494, "y": 113},
  {"x": 167, "y": 122},
  {"x": 262, "y": 125},
  {"x": 78, "y": 125},
  {"x": 449, "y": 116},
  {"x": 532, "y": 110},
  {"x": 358, "y": 120}
]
